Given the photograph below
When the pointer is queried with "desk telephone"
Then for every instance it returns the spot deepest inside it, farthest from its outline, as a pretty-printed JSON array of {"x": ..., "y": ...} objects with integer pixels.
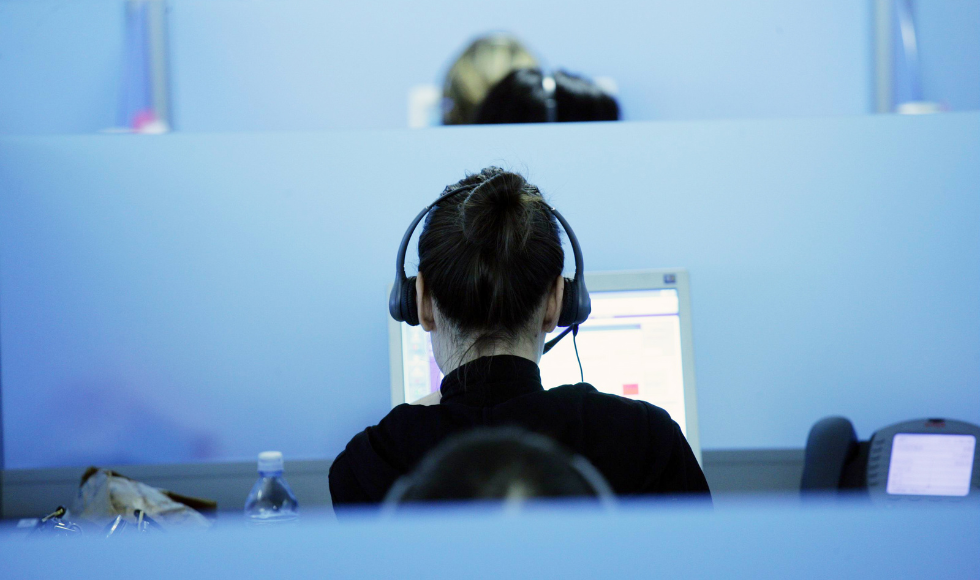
[{"x": 924, "y": 459}]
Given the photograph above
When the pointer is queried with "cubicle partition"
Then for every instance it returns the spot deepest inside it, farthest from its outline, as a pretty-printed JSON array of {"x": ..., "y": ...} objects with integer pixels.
[
  {"x": 646, "y": 540},
  {"x": 196, "y": 299}
]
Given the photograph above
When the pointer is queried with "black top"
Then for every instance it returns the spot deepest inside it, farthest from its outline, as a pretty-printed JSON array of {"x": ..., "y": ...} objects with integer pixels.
[{"x": 635, "y": 445}]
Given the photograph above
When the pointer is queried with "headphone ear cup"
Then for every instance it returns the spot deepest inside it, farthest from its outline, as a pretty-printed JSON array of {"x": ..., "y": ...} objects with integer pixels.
[
  {"x": 569, "y": 304},
  {"x": 409, "y": 305}
]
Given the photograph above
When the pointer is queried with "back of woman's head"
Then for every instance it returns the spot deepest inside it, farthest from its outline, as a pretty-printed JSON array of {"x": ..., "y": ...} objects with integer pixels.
[
  {"x": 521, "y": 97},
  {"x": 484, "y": 62},
  {"x": 490, "y": 254}
]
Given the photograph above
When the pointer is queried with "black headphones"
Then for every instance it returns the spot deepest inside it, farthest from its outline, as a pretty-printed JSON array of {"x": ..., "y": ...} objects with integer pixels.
[{"x": 575, "y": 305}]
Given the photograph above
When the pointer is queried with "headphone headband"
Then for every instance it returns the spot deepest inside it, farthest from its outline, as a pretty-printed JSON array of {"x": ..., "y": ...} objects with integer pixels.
[{"x": 576, "y": 304}]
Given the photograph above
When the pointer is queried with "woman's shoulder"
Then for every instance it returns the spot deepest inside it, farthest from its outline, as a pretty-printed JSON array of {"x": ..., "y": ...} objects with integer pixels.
[
  {"x": 409, "y": 416},
  {"x": 599, "y": 401},
  {"x": 400, "y": 437}
]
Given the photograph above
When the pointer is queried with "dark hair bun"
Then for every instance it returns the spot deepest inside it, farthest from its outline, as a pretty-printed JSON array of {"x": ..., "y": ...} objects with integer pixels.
[
  {"x": 496, "y": 214},
  {"x": 490, "y": 253}
]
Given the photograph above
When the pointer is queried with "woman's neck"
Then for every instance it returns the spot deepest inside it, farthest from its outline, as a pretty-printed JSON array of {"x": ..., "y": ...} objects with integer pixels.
[{"x": 466, "y": 352}]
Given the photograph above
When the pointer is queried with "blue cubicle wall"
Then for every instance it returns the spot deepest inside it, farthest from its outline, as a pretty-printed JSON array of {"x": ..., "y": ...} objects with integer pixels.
[
  {"x": 645, "y": 540},
  {"x": 205, "y": 297},
  {"x": 308, "y": 64},
  {"x": 948, "y": 42}
]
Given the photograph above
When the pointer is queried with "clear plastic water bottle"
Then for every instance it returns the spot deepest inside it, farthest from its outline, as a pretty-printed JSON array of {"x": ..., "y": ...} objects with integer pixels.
[{"x": 271, "y": 501}]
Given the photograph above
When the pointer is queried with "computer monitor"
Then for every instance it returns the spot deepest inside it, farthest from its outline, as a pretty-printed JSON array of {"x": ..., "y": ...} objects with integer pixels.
[{"x": 636, "y": 344}]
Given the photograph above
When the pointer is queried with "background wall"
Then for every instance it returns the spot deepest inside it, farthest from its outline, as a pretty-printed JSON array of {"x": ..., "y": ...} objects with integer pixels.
[
  {"x": 242, "y": 65},
  {"x": 247, "y": 65},
  {"x": 948, "y": 37},
  {"x": 204, "y": 297},
  {"x": 60, "y": 65}
]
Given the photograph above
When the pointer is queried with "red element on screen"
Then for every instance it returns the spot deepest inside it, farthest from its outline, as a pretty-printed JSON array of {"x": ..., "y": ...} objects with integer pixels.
[{"x": 631, "y": 389}]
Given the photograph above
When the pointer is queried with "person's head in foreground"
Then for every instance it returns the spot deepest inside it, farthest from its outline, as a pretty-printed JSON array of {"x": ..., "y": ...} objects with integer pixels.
[
  {"x": 530, "y": 96},
  {"x": 507, "y": 464},
  {"x": 481, "y": 65}
]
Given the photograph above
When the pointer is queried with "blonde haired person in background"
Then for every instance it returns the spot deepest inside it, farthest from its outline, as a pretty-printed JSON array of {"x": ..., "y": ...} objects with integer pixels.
[{"x": 486, "y": 61}]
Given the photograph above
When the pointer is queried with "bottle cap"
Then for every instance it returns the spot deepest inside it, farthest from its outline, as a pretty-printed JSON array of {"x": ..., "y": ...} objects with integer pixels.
[{"x": 270, "y": 461}]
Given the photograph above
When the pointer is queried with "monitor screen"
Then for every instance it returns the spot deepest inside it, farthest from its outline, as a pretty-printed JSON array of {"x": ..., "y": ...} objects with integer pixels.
[
  {"x": 931, "y": 464},
  {"x": 630, "y": 346}
]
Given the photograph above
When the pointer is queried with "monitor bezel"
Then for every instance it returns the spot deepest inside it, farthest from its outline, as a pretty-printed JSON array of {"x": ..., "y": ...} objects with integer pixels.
[{"x": 624, "y": 280}]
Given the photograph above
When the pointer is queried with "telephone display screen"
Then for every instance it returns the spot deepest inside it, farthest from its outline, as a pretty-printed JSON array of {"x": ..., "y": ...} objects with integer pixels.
[{"x": 931, "y": 464}]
